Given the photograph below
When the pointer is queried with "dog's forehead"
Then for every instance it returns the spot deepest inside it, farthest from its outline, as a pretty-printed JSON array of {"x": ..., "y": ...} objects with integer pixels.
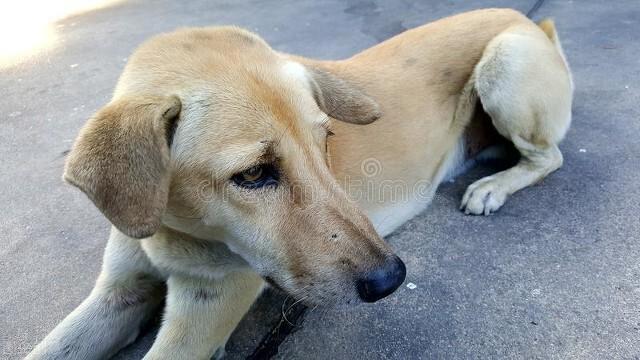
[
  {"x": 251, "y": 106},
  {"x": 270, "y": 97},
  {"x": 173, "y": 61}
]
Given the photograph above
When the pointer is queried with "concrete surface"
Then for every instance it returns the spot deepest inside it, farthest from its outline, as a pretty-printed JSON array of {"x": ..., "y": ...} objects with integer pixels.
[{"x": 555, "y": 274}]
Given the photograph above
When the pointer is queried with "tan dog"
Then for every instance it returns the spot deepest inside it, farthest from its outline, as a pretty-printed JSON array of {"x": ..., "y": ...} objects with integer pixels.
[{"x": 235, "y": 163}]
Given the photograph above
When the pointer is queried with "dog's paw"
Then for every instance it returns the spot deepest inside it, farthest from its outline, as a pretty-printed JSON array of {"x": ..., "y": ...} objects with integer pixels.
[{"x": 483, "y": 197}]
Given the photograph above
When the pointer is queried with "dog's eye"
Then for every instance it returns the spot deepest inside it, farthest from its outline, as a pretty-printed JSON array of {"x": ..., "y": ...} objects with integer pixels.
[{"x": 257, "y": 176}]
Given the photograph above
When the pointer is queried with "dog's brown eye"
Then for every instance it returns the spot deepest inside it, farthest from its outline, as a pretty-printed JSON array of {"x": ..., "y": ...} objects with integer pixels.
[
  {"x": 252, "y": 174},
  {"x": 257, "y": 177}
]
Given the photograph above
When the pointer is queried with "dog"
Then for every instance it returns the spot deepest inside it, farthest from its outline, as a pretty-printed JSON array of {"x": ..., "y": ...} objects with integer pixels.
[{"x": 224, "y": 165}]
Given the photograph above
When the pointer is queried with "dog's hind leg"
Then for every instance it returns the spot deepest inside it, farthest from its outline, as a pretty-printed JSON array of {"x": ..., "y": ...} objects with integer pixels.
[
  {"x": 126, "y": 295},
  {"x": 524, "y": 84}
]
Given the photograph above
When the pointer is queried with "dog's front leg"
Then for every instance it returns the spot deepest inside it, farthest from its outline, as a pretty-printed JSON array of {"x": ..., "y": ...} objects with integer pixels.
[
  {"x": 126, "y": 294},
  {"x": 201, "y": 314}
]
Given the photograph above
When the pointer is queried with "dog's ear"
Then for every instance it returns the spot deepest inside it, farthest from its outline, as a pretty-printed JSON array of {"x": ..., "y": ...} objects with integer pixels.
[
  {"x": 121, "y": 161},
  {"x": 340, "y": 100}
]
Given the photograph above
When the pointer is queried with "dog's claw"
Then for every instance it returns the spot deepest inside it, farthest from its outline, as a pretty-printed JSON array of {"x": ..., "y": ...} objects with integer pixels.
[{"x": 483, "y": 197}]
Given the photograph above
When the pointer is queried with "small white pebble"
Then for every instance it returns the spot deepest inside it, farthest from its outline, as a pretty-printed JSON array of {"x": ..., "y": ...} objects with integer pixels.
[
  {"x": 626, "y": 87},
  {"x": 583, "y": 150},
  {"x": 73, "y": 65},
  {"x": 536, "y": 292},
  {"x": 411, "y": 286},
  {"x": 15, "y": 113}
]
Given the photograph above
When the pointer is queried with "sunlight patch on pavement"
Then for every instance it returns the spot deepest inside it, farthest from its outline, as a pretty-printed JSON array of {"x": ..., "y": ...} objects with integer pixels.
[{"x": 27, "y": 27}]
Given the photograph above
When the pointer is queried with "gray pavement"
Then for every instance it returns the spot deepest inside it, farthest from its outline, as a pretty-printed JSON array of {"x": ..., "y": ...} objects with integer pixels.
[{"x": 554, "y": 274}]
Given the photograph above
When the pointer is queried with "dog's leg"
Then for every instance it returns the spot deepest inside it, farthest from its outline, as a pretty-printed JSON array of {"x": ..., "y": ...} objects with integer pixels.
[
  {"x": 525, "y": 86},
  {"x": 126, "y": 294},
  {"x": 200, "y": 315}
]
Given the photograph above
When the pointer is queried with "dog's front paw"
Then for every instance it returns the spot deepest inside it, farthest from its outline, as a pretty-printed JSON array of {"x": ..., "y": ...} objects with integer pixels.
[{"x": 483, "y": 197}]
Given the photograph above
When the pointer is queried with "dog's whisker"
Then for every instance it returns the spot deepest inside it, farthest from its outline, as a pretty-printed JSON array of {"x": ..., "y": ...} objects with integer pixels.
[
  {"x": 297, "y": 302},
  {"x": 284, "y": 313},
  {"x": 282, "y": 310}
]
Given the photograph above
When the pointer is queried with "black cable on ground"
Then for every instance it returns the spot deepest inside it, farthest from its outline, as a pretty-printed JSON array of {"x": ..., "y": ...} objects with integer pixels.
[
  {"x": 268, "y": 347},
  {"x": 534, "y": 8}
]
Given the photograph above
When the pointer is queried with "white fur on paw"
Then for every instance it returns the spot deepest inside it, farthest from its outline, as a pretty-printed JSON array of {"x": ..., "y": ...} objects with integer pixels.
[{"x": 483, "y": 197}]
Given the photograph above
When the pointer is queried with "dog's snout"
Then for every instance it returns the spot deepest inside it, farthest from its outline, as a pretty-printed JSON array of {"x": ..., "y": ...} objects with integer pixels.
[{"x": 381, "y": 282}]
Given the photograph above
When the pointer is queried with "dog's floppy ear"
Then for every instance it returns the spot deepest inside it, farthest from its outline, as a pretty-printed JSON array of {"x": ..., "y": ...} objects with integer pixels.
[
  {"x": 340, "y": 100},
  {"x": 121, "y": 161}
]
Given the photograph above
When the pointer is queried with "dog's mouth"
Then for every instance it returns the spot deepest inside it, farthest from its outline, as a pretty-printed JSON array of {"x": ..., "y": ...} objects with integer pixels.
[{"x": 301, "y": 296}]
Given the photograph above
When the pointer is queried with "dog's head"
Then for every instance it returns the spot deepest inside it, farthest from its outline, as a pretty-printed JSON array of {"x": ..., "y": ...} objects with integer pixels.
[{"x": 214, "y": 134}]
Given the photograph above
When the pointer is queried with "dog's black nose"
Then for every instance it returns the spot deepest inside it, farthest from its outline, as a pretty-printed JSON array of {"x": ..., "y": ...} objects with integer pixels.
[{"x": 381, "y": 282}]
